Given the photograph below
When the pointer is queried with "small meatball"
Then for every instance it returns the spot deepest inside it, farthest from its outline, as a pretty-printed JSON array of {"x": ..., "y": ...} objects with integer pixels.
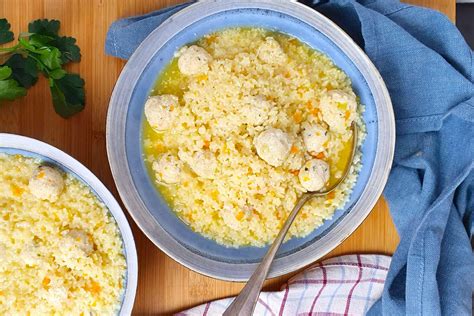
[
  {"x": 81, "y": 240},
  {"x": 193, "y": 60},
  {"x": 338, "y": 109},
  {"x": 46, "y": 183},
  {"x": 73, "y": 246},
  {"x": 160, "y": 111},
  {"x": 271, "y": 52},
  {"x": 314, "y": 175},
  {"x": 314, "y": 137},
  {"x": 168, "y": 169},
  {"x": 273, "y": 145},
  {"x": 255, "y": 110},
  {"x": 203, "y": 163}
]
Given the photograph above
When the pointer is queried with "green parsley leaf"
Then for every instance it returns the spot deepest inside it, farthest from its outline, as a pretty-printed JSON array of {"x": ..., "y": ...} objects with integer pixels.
[
  {"x": 42, "y": 50},
  {"x": 26, "y": 44},
  {"x": 5, "y": 34},
  {"x": 9, "y": 88},
  {"x": 39, "y": 41},
  {"x": 50, "y": 57},
  {"x": 69, "y": 50},
  {"x": 57, "y": 73},
  {"x": 68, "y": 95},
  {"x": 24, "y": 70},
  {"x": 5, "y": 72},
  {"x": 44, "y": 27}
]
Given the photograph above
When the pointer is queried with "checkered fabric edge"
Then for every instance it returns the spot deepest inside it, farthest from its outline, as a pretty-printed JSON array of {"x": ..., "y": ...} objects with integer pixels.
[{"x": 345, "y": 285}]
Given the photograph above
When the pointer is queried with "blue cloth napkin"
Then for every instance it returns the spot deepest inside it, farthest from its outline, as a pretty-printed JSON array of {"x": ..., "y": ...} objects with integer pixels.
[{"x": 428, "y": 69}]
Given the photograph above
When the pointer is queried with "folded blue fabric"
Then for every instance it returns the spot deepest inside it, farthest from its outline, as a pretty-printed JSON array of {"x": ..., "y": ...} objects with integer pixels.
[{"x": 428, "y": 69}]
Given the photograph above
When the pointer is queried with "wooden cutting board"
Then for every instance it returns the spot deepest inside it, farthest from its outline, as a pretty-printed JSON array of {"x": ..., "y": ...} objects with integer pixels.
[{"x": 164, "y": 286}]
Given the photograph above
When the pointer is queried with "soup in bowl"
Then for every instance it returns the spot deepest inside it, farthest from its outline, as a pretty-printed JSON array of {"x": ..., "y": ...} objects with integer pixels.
[{"x": 226, "y": 114}]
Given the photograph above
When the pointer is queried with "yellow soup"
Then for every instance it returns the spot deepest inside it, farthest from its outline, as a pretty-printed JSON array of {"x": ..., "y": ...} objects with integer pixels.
[{"x": 245, "y": 200}]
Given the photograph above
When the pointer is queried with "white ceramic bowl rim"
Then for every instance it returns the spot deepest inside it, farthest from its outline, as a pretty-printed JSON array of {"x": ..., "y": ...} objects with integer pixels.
[{"x": 11, "y": 143}]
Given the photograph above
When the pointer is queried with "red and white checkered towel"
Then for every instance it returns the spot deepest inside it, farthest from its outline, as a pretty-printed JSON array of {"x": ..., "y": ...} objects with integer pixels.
[{"x": 346, "y": 285}]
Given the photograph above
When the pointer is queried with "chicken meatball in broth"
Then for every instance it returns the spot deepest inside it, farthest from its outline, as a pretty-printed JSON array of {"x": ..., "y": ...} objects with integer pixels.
[
  {"x": 161, "y": 111},
  {"x": 193, "y": 60},
  {"x": 314, "y": 137},
  {"x": 46, "y": 183},
  {"x": 168, "y": 169},
  {"x": 338, "y": 110},
  {"x": 273, "y": 145},
  {"x": 314, "y": 175}
]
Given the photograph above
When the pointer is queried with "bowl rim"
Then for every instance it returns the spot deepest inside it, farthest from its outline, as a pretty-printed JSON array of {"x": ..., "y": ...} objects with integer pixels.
[
  {"x": 78, "y": 170},
  {"x": 115, "y": 138}
]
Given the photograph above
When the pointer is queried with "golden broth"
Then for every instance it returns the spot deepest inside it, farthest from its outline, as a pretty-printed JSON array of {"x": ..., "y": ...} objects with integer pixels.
[{"x": 171, "y": 81}]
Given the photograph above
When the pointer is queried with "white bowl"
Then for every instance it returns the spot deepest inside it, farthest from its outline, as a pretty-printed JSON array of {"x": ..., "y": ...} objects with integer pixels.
[{"x": 15, "y": 144}]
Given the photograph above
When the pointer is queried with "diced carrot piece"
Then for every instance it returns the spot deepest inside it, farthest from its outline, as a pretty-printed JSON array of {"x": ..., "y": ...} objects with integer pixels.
[
  {"x": 315, "y": 112},
  {"x": 278, "y": 215},
  {"x": 16, "y": 190},
  {"x": 347, "y": 115},
  {"x": 294, "y": 149},
  {"x": 331, "y": 195},
  {"x": 320, "y": 155},
  {"x": 94, "y": 287},
  {"x": 202, "y": 78},
  {"x": 206, "y": 144},
  {"x": 240, "y": 215},
  {"x": 297, "y": 117},
  {"x": 189, "y": 217},
  {"x": 295, "y": 172},
  {"x": 41, "y": 175},
  {"x": 46, "y": 281},
  {"x": 270, "y": 98}
]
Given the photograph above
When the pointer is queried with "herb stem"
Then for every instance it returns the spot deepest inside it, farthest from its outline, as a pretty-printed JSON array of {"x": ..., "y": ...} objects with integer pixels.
[
  {"x": 6, "y": 50},
  {"x": 43, "y": 67}
]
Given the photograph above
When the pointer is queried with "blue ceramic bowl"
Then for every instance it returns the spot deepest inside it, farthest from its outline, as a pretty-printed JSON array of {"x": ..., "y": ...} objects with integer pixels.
[
  {"x": 28, "y": 147},
  {"x": 124, "y": 134}
]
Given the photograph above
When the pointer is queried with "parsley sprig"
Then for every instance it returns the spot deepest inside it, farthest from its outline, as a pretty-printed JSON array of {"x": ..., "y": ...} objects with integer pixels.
[{"x": 41, "y": 50}]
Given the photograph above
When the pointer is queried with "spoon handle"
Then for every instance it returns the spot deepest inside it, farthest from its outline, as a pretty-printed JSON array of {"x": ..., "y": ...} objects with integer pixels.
[{"x": 244, "y": 303}]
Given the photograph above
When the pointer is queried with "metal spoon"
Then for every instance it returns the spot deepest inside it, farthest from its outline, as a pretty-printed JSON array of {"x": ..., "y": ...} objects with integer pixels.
[{"x": 244, "y": 303}]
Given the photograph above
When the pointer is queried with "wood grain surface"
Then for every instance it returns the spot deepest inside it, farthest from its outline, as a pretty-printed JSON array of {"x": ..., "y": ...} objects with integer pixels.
[{"x": 164, "y": 285}]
